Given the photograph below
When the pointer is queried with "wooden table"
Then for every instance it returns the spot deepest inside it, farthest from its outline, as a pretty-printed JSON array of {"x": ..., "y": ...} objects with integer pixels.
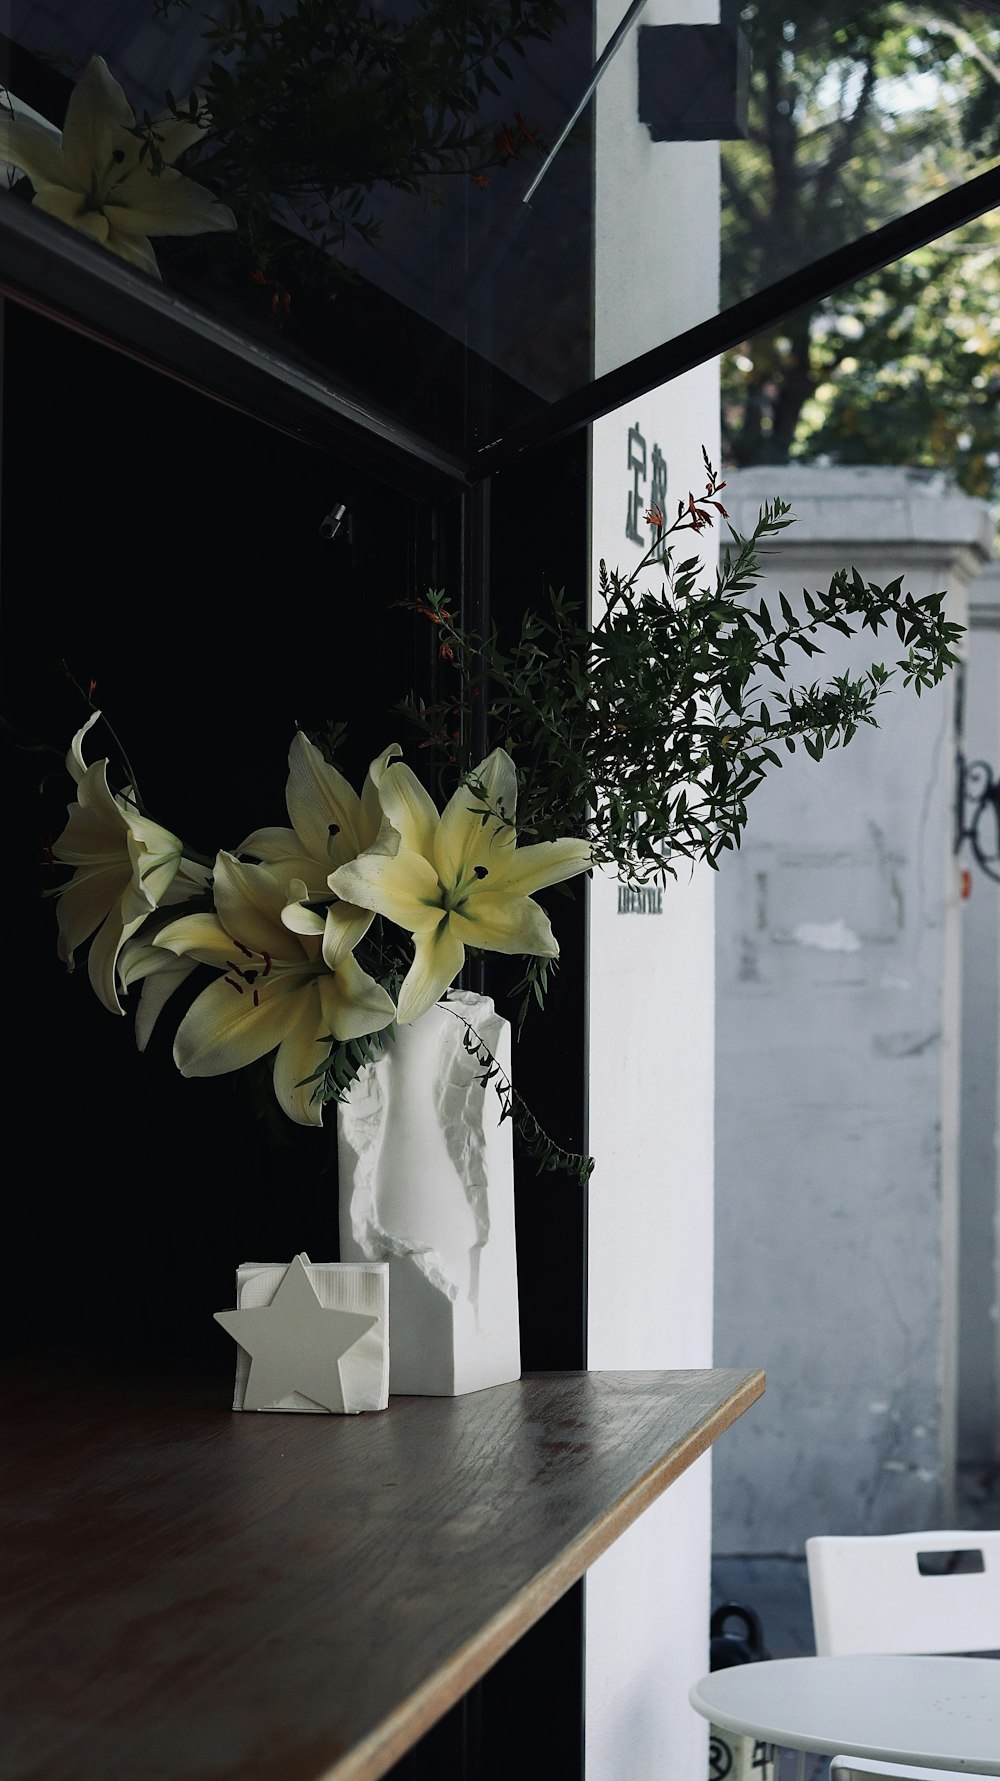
[
  {"x": 934, "y": 1712},
  {"x": 195, "y": 1595}
]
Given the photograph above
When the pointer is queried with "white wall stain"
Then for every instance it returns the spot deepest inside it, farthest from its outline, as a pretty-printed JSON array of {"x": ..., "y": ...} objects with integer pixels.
[
  {"x": 829, "y": 936},
  {"x": 904, "y": 1043}
]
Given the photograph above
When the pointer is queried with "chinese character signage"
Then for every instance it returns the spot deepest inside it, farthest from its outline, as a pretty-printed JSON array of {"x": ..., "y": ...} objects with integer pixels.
[{"x": 641, "y": 503}]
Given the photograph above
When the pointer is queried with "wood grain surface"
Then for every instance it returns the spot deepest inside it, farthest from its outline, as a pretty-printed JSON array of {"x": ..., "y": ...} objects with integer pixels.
[{"x": 196, "y": 1595}]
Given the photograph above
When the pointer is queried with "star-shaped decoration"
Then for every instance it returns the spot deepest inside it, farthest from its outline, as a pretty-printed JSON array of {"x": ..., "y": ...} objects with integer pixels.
[{"x": 295, "y": 1343}]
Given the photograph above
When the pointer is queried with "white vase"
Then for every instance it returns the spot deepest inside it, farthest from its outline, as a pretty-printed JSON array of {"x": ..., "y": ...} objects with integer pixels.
[{"x": 427, "y": 1184}]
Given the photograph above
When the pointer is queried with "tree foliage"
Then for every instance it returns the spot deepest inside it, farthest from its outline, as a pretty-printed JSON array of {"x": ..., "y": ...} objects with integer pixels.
[{"x": 860, "y": 112}]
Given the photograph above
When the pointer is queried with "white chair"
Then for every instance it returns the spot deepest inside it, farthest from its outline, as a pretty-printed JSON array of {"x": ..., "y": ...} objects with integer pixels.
[
  {"x": 877, "y": 1593},
  {"x": 863, "y": 1768}
]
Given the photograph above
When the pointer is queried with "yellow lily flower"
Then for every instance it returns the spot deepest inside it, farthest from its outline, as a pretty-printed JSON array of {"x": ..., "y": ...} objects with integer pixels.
[
  {"x": 159, "y": 972},
  {"x": 125, "y": 866},
  {"x": 92, "y": 177},
  {"x": 330, "y": 825},
  {"x": 454, "y": 881},
  {"x": 277, "y": 990}
]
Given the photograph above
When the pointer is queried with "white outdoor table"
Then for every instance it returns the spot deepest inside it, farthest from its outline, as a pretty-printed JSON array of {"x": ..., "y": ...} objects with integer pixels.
[{"x": 939, "y": 1712}]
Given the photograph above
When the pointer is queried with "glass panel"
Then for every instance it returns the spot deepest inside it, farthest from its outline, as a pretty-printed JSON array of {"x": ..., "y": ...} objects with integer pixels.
[
  {"x": 374, "y": 160},
  {"x": 378, "y": 161},
  {"x": 901, "y": 368},
  {"x": 856, "y": 115}
]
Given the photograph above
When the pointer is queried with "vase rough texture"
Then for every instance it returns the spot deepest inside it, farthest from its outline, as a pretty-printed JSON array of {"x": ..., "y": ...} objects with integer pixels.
[{"x": 427, "y": 1185}]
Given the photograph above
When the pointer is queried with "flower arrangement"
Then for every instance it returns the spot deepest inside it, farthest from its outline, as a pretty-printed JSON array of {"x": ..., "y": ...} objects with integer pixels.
[
  {"x": 644, "y": 732},
  {"x": 279, "y": 919}
]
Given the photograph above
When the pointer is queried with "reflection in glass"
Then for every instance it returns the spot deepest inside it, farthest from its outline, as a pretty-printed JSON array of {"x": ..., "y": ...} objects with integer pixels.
[
  {"x": 377, "y": 159},
  {"x": 858, "y": 113}
]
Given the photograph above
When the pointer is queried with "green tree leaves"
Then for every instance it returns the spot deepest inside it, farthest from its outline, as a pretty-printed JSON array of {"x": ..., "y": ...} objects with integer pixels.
[{"x": 859, "y": 112}]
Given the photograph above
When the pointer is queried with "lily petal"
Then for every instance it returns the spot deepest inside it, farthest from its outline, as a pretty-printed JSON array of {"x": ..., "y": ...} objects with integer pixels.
[
  {"x": 224, "y": 1028},
  {"x": 97, "y": 116},
  {"x": 437, "y": 960},
  {"x": 34, "y": 150},
  {"x": 192, "y": 879},
  {"x": 353, "y": 1003},
  {"x": 102, "y": 959},
  {"x": 84, "y": 903},
  {"x": 530, "y": 869},
  {"x": 498, "y": 922},
  {"x": 155, "y": 855},
  {"x": 324, "y": 808},
  {"x": 69, "y": 207},
  {"x": 136, "y": 249},
  {"x": 403, "y": 888},
  {"x": 345, "y": 927},
  {"x": 201, "y": 937},
  {"x": 302, "y": 920},
  {"x": 281, "y": 849},
  {"x": 160, "y": 974},
  {"x": 301, "y": 1052},
  {"x": 154, "y": 995},
  {"x": 94, "y": 822},
  {"x": 410, "y": 809},
  {"x": 369, "y": 791},
  {"x": 166, "y": 203},
  {"x": 249, "y": 901},
  {"x": 463, "y": 840},
  {"x": 76, "y": 766}
]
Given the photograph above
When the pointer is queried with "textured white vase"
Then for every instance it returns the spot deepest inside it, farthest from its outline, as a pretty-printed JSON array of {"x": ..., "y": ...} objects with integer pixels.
[{"x": 427, "y": 1185}]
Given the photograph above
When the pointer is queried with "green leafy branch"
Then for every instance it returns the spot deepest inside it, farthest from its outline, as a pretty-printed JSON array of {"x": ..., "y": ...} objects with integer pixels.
[
  {"x": 649, "y": 730},
  {"x": 533, "y": 1142}
]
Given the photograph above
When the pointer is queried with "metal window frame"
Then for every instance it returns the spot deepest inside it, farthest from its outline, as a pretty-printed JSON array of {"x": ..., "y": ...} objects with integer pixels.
[
  {"x": 59, "y": 273},
  {"x": 730, "y": 327},
  {"x": 74, "y": 281}
]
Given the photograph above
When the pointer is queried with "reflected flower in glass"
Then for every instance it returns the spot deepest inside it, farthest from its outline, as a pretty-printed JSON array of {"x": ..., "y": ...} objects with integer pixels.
[{"x": 97, "y": 179}]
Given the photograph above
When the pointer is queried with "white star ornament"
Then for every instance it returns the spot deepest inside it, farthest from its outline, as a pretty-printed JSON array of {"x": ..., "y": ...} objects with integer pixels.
[{"x": 296, "y": 1344}]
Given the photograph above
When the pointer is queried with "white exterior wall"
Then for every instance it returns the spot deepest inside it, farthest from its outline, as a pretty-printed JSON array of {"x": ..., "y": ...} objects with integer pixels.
[
  {"x": 651, "y": 979},
  {"x": 838, "y": 1017},
  {"x": 979, "y": 1277}
]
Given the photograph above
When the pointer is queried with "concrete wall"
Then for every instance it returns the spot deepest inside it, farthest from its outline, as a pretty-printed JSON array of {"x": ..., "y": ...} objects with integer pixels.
[
  {"x": 838, "y": 1014},
  {"x": 979, "y": 1330},
  {"x": 651, "y": 1007}
]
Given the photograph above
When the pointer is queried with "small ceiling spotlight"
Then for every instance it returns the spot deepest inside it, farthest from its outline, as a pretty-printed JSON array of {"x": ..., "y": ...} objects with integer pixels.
[{"x": 337, "y": 517}]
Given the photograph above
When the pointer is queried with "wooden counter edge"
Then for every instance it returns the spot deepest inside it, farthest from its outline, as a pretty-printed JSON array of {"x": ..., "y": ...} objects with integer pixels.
[{"x": 370, "y": 1759}]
